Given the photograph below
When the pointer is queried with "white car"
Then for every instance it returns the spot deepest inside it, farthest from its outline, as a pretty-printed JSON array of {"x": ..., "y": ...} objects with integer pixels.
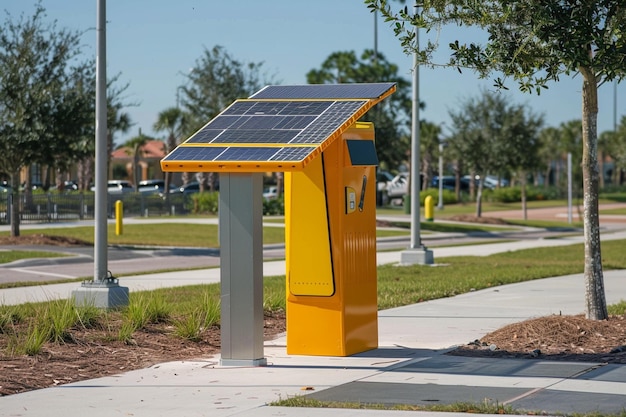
[
  {"x": 398, "y": 187},
  {"x": 118, "y": 187},
  {"x": 270, "y": 192}
]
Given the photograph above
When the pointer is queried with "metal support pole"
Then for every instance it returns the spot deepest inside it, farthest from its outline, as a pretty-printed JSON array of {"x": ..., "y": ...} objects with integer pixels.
[
  {"x": 416, "y": 253},
  {"x": 100, "y": 237},
  {"x": 241, "y": 269},
  {"x": 104, "y": 291}
]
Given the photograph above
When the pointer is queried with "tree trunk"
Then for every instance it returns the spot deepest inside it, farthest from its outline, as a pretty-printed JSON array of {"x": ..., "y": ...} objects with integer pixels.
[
  {"x": 594, "y": 280},
  {"x": 524, "y": 205},
  {"x": 171, "y": 144},
  {"x": 15, "y": 204},
  {"x": 479, "y": 197}
]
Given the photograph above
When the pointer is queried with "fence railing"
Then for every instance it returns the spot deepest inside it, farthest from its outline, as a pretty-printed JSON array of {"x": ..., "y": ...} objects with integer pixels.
[{"x": 56, "y": 207}]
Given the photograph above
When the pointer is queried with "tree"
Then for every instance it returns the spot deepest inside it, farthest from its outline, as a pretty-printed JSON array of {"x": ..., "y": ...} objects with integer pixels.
[
  {"x": 617, "y": 151},
  {"x": 429, "y": 150},
  {"x": 535, "y": 42},
  {"x": 117, "y": 121},
  {"x": 173, "y": 121},
  {"x": 214, "y": 83},
  {"x": 520, "y": 148},
  {"x": 485, "y": 128},
  {"x": 36, "y": 91},
  {"x": 390, "y": 117},
  {"x": 549, "y": 154},
  {"x": 133, "y": 148}
]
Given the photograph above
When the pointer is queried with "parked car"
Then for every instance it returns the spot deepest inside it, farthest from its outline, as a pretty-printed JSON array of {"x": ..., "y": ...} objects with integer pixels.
[
  {"x": 398, "y": 187},
  {"x": 490, "y": 182},
  {"x": 382, "y": 178},
  {"x": 449, "y": 183},
  {"x": 153, "y": 186},
  {"x": 190, "y": 188},
  {"x": 67, "y": 186},
  {"x": 117, "y": 187},
  {"x": 270, "y": 192}
]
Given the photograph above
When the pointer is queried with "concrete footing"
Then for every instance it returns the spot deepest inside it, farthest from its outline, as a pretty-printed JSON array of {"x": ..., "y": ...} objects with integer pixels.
[
  {"x": 107, "y": 294},
  {"x": 417, "y": 256}
]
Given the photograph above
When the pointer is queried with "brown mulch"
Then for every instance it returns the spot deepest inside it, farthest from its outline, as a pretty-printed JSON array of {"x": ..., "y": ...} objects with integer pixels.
[
  {"x": 569, "y": 338},
  {"x": 93, "y": 353},
  {"x": 473, "y": 219},
  {"x": 41, "y": 239}
]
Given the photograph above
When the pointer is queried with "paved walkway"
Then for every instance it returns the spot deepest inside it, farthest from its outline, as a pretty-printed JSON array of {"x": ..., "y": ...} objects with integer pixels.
[{"x": 409, "y": 367}]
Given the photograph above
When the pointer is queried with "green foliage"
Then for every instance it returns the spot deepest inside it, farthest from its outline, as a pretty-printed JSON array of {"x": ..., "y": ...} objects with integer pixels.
[
  {"x": 31, "y": 342},
  {"x": 618, "y": 309},
  {"x": 125, "y": 332},
  {"x": 216, "y": 80},
  {"x": 145, "y": 308},
  {"x": 486, "y": 407},
  {"x": 206, "y": 202},
  {"x": 10, "y": 256},
  {"x": 39, "y": 89},
  {"x": 390, "y": 117},
  {"x": 9, "y": 317},
  {"x": 614, "y": 193},
  {"x": 191, "y": 325},
  {"x": 58, "y": 316},
  {"x": 514, "y": 194},
  {"x": 274, "y": 206},
  {"x": 448, "y": 196}
]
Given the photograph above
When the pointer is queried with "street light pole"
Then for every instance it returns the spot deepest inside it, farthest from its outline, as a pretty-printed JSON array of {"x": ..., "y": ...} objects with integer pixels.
[
  {"x": 440, "y": 203},
  {"x": 104, "y": 290},
  {"x": 416, "y": 253}
]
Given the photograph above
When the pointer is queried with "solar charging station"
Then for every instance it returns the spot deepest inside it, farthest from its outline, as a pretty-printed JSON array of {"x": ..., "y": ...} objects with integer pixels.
[{"x": 312, "y": 133}]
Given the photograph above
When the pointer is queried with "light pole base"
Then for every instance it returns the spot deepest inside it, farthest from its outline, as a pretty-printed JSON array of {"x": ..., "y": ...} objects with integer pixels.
[
  {"x": 101, "y": 294},
  {"x": 417, "y": 256}
]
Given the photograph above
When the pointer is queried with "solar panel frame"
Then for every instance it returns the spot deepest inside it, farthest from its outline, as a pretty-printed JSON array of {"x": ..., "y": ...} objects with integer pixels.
[{"x": 325, "y": 91}]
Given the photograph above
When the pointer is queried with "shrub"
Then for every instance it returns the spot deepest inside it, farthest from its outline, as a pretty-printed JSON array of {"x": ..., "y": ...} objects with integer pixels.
[
  {"x": 448, "y": 196},
  {"x": 274, "y": 207},
  {"x": 205, "y": 202}
]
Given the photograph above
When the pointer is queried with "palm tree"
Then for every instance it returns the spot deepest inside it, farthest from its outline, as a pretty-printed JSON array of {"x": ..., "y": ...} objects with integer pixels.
[
  {"x": 133, "y": 148},
  {"x": 174, "y": 121}
]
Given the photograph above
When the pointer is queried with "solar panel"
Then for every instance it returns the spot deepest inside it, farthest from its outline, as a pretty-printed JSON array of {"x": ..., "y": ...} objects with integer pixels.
[{"x": 280, "y": 128}]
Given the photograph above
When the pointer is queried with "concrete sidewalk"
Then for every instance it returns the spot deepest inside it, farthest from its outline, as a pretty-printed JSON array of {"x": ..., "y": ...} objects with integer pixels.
[{"x": 409, "y": 367}]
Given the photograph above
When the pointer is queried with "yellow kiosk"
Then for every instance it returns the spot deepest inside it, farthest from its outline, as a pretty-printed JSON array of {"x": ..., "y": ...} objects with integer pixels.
[{"x": 312, "y": 133}]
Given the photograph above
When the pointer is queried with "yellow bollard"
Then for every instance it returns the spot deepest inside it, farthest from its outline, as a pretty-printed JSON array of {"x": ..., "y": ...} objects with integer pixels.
[
  {"x": 429, "y": 208},
  {"x": 119, "y": 214}
]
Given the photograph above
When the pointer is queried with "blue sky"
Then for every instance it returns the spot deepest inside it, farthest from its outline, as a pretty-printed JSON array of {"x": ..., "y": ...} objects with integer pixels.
[{"x": 152, "y": 43}]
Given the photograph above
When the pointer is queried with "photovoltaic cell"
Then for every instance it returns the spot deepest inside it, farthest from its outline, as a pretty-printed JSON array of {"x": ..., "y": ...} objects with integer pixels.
[
  {"x": 194, "y": 154},
  {"x": 293, "y": 153},
  {"x": 248, "y": 154},
  {"x": 256, "y": 136},
  {"x": 277, "y": 122},
  {"x": 323, "y": 127}
]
